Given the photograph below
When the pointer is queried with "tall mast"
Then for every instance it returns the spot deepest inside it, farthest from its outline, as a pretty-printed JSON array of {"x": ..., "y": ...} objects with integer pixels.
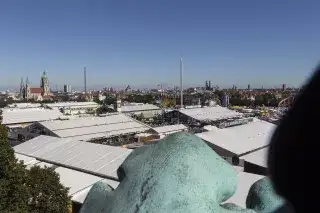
[
  {"x": 85, "y": 80},
  {"x": 181, "y": 83}
]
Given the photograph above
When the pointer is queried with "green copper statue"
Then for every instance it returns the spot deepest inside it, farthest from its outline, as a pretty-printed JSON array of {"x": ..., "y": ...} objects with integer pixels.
[{"x": 179, "y": 174}]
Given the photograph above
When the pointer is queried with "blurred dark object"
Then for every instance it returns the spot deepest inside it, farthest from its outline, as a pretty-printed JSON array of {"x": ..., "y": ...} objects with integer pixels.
[{"x": 292, "y": 148}]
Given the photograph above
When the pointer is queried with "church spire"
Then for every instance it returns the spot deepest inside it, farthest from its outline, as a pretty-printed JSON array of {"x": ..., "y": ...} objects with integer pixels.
[
  {"x": 44, "y": 74},
  {"x": 21, "y": 83},
  {"x": 27, "y": 81}
]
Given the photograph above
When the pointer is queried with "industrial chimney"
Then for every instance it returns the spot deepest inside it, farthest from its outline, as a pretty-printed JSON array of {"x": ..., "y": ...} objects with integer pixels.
[
  {"x": 85, "y": 80},
  {"x": 181, "y": 83}
]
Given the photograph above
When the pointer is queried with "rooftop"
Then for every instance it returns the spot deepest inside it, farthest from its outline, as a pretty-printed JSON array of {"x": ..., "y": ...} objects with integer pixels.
[
  {"x": 245, "y": 181},
  {"x": 75, "y": 180},
  {"x": 140, "y": 107},
  {"x": 97, "y": 159},
  {"x": 79, "y": 188},
  {"x": 170, "y": 128},
  {"x": 210, "y": 113},
  {"x": 24, "y": 105},
  {"x": 258, "y": 157},
  {"x": 85, "y": 128},
  {"x": 72, "y": 104},
  {"x": 28, "y": 115},
  {"x": 241, "y": 139},
  {"x": 40, "y": 146},
  {"x": 26, "y": 160}
]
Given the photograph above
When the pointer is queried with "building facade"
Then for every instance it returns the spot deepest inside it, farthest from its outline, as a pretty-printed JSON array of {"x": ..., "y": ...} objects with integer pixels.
[
  {"x": 35, "y": 93},
  {"x": 67, "y": 88}
]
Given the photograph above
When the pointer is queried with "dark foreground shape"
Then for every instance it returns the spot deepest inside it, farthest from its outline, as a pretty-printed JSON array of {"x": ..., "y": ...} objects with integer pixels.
[{"x": 294, "y": 148}]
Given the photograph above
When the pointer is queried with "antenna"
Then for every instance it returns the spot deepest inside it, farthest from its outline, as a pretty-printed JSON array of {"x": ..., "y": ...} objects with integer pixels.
[
  {"x": 85, "y": 80},
  {"x": 181, "y": 83}
]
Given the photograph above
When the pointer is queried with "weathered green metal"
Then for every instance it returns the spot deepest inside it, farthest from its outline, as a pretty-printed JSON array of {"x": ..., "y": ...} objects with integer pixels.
[{"x": 179, "y": 174}]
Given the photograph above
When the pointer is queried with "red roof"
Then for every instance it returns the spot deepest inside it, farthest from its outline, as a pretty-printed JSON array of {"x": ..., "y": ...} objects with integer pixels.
[{"x": 35, "y": 90}]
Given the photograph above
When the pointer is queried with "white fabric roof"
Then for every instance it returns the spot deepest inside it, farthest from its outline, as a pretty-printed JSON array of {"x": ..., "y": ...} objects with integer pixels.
[
  {"x": 76, "y": 122},
  {"x": 40, "y": 146},
  {"x": 16, "y": 116},
  {"x": 98, "y": 129},
  {"x": 85, "y": 128},
  {"x": 245, "y": 181},
  {"x": 95, "y": 158},
  {"x": 238, "y": 168},
  {"x": 210, "y": 113},
  {"x": 210, "y": 128},
  {"x": 170, "y": 128},
  {"x": 26, "y": 159},
  {"x": 259, "y": 157},
  {"x": 108, "y": 134},
  {"x": 24, "y": 105},
  {"x": 81, "y": 195},
  {"x": 77, "y": 181},
  {"x": 72, "y": 104},
  {"x": 241, "y": 139},
  {"x": 142, "y": 107}
]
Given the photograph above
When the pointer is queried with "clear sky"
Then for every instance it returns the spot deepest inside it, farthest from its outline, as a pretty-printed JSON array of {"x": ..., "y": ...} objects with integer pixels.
[{"x": 140, "y": 42}]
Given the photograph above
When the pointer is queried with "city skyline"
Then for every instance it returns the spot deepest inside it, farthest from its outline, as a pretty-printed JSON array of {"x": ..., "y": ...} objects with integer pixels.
[
  {"x": 261, "y": 44},
  {"x": 79, "y": 87}
]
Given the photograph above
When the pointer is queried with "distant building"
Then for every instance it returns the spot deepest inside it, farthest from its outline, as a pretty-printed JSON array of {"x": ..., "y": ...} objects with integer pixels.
[
  {"x": 117, "y": 105},
  {"x": 128, "y": 89},
  {"x": 67, "y": 88},
  {"x": 249, "y": 87},
  {"x": 225, "y": 100},
  {"x": 197, "y": 117},
  {"x": 208, "y": 85},
  {"x": 27, "y": 92},
  {"x": 284, "y": 87}
]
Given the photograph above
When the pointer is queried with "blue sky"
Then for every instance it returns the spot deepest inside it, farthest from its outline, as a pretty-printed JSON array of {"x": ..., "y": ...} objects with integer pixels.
[{"x": 264, "y": 43}]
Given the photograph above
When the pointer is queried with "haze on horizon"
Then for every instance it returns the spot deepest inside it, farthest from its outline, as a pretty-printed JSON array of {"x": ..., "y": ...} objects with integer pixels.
[{"x": 265, "y": 43}]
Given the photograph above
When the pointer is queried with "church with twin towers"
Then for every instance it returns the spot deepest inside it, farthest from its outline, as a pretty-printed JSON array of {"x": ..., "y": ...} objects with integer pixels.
[{"x": 27, "y": 92}]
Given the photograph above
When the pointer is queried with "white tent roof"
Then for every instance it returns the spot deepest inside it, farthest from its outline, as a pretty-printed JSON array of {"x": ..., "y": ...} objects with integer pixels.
[
  {"x": 259, "y": 157},
  {"x": 140, "y": 107},
  {"x": 29, "y": 115},
  {"x": 241, "y": 139},
  {"x": 72, "y": 104},
  {"x": 170, "y": 128},
  {"x": 245, "y": 181},
  {"x": 76, "y": 180},
  {"x": 210, "y": 113},
  {"x": 86, "y": 128},
  {"x": 88, "y": 157}
]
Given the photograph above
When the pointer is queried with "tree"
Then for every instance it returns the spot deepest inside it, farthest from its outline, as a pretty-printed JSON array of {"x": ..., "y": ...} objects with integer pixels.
[
  {"x": 22, "y": 191},
  {"x": 140, "y": 117},
  {"x": 47, "y": 194},
  {"x": 3, "y": 103},
  {"x": 109, "y": 100},
  {"x": 13, "y": 190}
]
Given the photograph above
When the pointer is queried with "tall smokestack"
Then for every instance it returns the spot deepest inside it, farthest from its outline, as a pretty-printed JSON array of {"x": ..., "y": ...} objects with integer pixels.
[
  {"x": 85, "y": 80},
  {"x": 181, "y": 83}
]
